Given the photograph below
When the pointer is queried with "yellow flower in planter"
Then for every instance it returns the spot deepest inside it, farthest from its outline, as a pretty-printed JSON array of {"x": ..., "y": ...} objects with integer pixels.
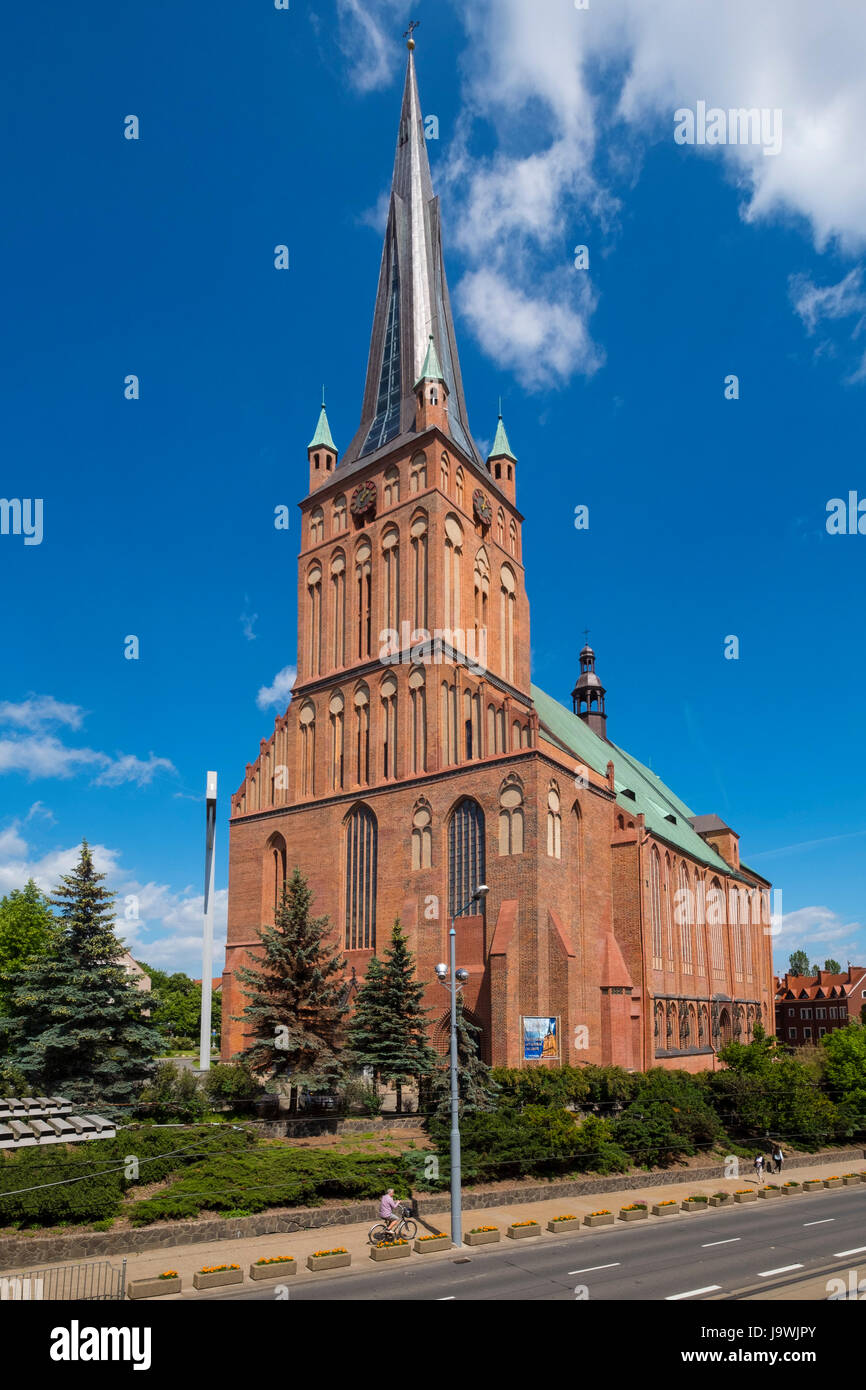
[
  {"x": 477, "y": 1230},
  {"x": 439, "y": 1235},
  {"x": 340, "y": 1250},
  {"x": 276, "y": 1260},
  {"x": 169, "y": 1274},
  {"x": 217, "y": 1269},
  {"x": 604, "y": 1212},
  {"x": 515, "y": 1224}
]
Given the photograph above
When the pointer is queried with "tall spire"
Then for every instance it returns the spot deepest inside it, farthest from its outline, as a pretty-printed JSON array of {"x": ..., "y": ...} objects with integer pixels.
[{"x": 412, "y": 303}]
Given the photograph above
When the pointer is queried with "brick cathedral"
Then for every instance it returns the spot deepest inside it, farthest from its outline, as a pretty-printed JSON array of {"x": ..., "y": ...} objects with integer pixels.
[{"x": 417, "y": 760}]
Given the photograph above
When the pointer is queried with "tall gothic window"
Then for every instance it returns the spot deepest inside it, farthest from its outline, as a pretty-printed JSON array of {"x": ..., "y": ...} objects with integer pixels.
[
  {"x": 338, "y": 610},
  {"x": 458, "y": 483},
  {"x": 481, "y": 587},
  {"x": 736, "y": 934},
  {"x": 656, "y": 907},
  {"x": 307, "y": 733},
  {"x": 511, "y": 817},
  {"x": 362, "y": 736},
  {"x": 715, "y": 919},
  {"x": 361, "y": 870},
  {"x": 465, "y": 853},
  {"x": 448, "y": 737},
  {"x": 314, "y": 620},
  {"x": 364, "y": 599},
  {"x": 422, "y": 836},
  {"x": 317, "y": 526},
  {"x": 275, "y": 874},
  {"x": 669, "y": 917},
  {"x": 471, "y": 725},
  {"x": 500, "y": 527},
  {"x": 444, "y": 474},
  {"x": 554, "y": 823},
  {"x": 747, "y": 930},
  {"x": 453, "y": 561},
  {"x": 391, "y": 579},
  {"x": 512, "y": 537},
  {"x": 391, "y": 487},
  {"x": 418, "y": 534},
  {"x": 684, "y": 917},
  {"x": 418, "y": 698},
  {"x": 506, "y": 623},
  {"x": 388, "y": 692},
  {"x": 336, "y": 709},
  {"x": 701, "y": 921},
  {"x": 418, "y": 474}
]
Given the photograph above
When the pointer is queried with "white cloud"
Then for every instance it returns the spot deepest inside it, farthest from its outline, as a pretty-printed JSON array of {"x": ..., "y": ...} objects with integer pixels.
[
  {"x": 572, "y": 99},
  {"x": 279, "y": 692},
  {"x": 38, "y": 710},
  {"x": 127, "y": 768},
  {"x": 38, "y": 809},
  {"x": 816, "y": 926},
  {"x": 42, "y": 754}
]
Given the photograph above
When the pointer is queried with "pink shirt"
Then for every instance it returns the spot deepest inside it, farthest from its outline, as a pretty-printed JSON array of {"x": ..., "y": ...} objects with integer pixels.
[{"x": 387, "y": 1207}]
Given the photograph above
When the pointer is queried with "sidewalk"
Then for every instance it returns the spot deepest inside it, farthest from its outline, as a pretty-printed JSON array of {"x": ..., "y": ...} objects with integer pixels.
[{"x": 245, "y": 1251}]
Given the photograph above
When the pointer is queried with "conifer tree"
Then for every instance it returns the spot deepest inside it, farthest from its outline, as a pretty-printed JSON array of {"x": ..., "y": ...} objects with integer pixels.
[
  {"x": 296, "y": 997},
  {"x": 388, "y": 1030},
  {"x": 78, "y": 1026},
  {"x": 476, "y": 1088}
]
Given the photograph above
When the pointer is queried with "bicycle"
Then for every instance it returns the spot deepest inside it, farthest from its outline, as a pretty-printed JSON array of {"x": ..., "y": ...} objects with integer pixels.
[{"x": 406, "y": 1229}]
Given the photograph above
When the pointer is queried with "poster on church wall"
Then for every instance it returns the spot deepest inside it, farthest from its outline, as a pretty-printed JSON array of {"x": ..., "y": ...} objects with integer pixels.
[{"x": 540, "y": 1039}]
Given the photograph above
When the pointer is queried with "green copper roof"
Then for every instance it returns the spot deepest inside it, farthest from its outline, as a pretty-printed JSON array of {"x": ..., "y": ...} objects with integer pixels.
[
  {"x": 322, "y": 438},
  {"x": 651, "y": 796},
  {"x": 431, "y": 371},
  {"x": 501, "y": 447}
]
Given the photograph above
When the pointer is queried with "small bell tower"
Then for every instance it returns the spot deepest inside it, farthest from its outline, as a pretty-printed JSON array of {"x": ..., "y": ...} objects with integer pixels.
[
  {"x": 502, "y": 463},
  {"x": 322, "y": 452},
  {"x": 431, "y": 393},
  {"x": 587, "y": 697}
]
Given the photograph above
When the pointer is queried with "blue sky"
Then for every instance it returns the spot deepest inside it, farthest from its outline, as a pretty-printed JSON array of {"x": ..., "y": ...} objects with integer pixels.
[{"x": 707, "y": 516}]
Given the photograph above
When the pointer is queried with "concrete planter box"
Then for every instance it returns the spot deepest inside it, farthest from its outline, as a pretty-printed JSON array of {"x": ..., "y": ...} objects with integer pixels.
[
  {"x": 153, "y": 1288},
  {"x": 689, "y": 1205},
  {"x": 665, "y": 1210},
  {"x": 766, "y": 1192},
  {"x": 276, "y": 1271},
  {"x": 745, "y": 1196},
  {"x": 390, "y": 1252},
  {"x": 792, "y": 1191},
  {"x": 218, "y": 1279},
  {"x": 727, "y": 1201},
  {"x": 315, "y": 1262},
  {"x": 814, "y": 1185},
  {"x": 606, "y": 1220},
  {"x": 833, "y": 1182},
  {"x": 481, "y": 1237},
  {"x": 640, "y": 1214},
  {"x": 521, "y": 1232},
  {"x": 559, "y": 1227},
  {"x": 852, "y": 1181},
  {"x": 424, "y": 1247}
]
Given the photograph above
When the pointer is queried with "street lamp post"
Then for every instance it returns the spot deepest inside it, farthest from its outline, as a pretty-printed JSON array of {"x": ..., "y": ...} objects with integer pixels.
[
  {"x": 454, "y": 975},
  {"x": 207, "y": 942}
]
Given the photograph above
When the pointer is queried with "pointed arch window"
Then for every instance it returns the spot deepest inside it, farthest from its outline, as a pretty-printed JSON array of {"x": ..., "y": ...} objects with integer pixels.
[
  {"x": 275, "y": 875},
  {"x": 554, "y": 822},
  {"x": 336, "y": 711},
  {"x": 391, "y": 487},
  {"x": 512, "y": 537},
  {"x": 669, "y": 916},
  {"x": 465, "y": 853},
  {"x": 656, "y": 907},
  {"x": 481, "y": 589},
  {"x": 388, "y": 693},
  {"x": 314, "y": 620},
  {"x": 307, "y": 731},
  {"x": 453, "y": 563},
  {"x": 418, "y": 698},
  {"x": 339, "y": 515},
  {"x": 418, "y": 535},
  {"x": 317, "y": 526},
  {"x": 364, "y": 599},
  {"x": 684, "y": 917},
  {"x": 701, "y": 921},
  {"x": 422, "y": 836},
  {"x": 507, "y": 602},
  {"x": 444, "y": 474},
  {"x": 338, "y": 610},
  {"x": 511, "y": 824},
  {"x": 500, "y": 527},
  {"x": 715, "y": 919},
  {"x": 458, "y": 486},
  {"x": 736, "y": 935},
  {"x": 361, "y": 874},
  {"x": 391, "y": 579},
  {"x": 471, "y": 724},
  {"x": 362, "y": 736},
  {"x": 448, "y": 736}
]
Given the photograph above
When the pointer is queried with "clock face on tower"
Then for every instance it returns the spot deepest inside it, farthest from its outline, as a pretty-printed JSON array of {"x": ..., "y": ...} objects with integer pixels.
[
  {"x": 363, "y": 499},
  {"x": 481, "y": 507}
]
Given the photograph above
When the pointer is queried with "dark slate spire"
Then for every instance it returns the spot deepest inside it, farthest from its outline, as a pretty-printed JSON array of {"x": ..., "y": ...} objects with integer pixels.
[{"x": 411, "y": 303}]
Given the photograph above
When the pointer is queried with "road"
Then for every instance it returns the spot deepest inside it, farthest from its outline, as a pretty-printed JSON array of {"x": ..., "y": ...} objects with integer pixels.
[{"x": 719, "y": 1254}]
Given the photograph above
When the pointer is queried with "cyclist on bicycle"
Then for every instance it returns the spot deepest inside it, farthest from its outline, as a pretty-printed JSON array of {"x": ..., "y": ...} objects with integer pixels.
[{"x": 390, "y": 1209}]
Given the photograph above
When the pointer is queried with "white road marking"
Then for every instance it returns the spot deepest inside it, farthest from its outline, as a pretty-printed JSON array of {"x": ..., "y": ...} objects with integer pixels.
[
  {"x": 711, "y": 1243},
  {"x": 819, "y": 1223},
  {"x": 594, "y": 1267},
  {"x": 692, "y": 1293},
  {"x": 449, "y": 1298},
  {"x": 840, "y": 1254},
  {"x": 783, "y": 1269}
]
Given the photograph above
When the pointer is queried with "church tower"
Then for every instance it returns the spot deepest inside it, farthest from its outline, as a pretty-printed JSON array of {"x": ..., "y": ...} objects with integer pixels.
[{"x": 587, "y": 697}]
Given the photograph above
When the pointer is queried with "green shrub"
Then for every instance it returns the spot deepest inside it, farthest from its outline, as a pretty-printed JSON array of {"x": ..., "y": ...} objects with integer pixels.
[
  {"x": 173, "y": 1093},
  {"x": 228, "y": 1083}
]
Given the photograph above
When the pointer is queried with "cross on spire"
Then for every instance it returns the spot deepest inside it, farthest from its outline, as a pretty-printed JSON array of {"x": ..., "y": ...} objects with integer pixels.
[{"x": 409, "y": 33}]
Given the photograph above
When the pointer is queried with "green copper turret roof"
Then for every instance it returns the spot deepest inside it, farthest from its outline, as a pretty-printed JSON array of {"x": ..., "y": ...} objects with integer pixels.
[
  {"x": 501, "y": 447},
  {"x": 431, "y": 371},
  {"x": 322, "y": 438}
]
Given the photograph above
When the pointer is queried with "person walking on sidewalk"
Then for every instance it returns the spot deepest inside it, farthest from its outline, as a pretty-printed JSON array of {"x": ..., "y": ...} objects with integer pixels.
[
  {"x": 759, "y": 1168},
  {"x": 778, "y": 1157}
]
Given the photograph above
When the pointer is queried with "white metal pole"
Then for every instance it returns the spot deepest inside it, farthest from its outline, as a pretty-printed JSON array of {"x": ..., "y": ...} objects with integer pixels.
[{"x": 207, "y": 942}]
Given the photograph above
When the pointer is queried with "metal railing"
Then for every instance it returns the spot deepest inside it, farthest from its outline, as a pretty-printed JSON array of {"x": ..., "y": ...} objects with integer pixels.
[{"x": 96, "y": 1281}]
